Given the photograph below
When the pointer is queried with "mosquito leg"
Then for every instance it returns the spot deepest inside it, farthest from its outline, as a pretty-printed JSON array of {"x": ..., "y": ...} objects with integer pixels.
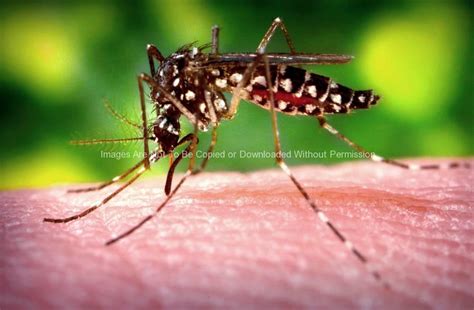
[
  {"x": 154, "y": 157},
  {"x": 105, "y": 184},
  {"x": 238, "y": 91},
  {"x": 277, "y": 23},
  {"x": 323, "y": 123},
  {"x": 146, "y": 149},
  {"x": 215, "y": 40},
  {"x": 280, "y": 161},
  {"x": 153, "y": 53},
  {"x": 175, "y": 162},
  {"x": 192, "y": 148},
  {"x": 169, "y": 177},
  {"x": 210, "y": 149},
  {"x": 188, "y": 114}
]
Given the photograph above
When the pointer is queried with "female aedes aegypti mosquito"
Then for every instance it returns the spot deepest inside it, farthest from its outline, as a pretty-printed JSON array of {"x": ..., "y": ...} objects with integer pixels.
[{"x": 191, "y": 83}]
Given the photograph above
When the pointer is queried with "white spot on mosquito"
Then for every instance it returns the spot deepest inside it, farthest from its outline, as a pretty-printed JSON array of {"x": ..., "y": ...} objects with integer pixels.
[
  {"x": 286, "y": 84},
  {"x": 219, "y": 104},
  {"x": 282, "y": 104},
  {"x": 257, "y": 98},
  {"x": 311, "y": 90},
  {"x": 190, "y": 95},
  {"x": 249, "y": 88},
  {"x": 172, "y": 130},
  {"x": 376, "y": 158},
  {"x": 336, "y": 108},
  {"x": 277, "y": 20},
  {"x": 181, "y": 97},
  {"x": 336, "y": 98},
  {"x": 282, "y": 70},
  {"x": 349, "y": 244},
  {"x": 236, "y": 78},
  {"x": 194, "y": 52},
  {"x": 161, "y": 73},
  {"x": 222, "y": 83},
  {"x": 307, "y": 76},
  {"x": 167, "y": 106},
  {"x": 116, "y": 179},
  {"x": 323, "y": 217},
  {"x": 310, "y": 108},
  {"x": 259, "y": 80},
  {"x": 176, "y": 82},
  {"x": 414, "y": 167},
  {"x": 163, "y": 123},
  {"x": 333, "y": 85},
  {"x": 215, "y": 72},
  {"x": 330, "y": 129},
  {"x": 202, "y": 107},
  {"x": 175, "y": 70},
  {"x": 361, "y": 98}
]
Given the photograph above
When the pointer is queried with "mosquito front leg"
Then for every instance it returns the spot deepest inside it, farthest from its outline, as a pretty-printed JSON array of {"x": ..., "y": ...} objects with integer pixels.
[
  {"x": 188, "y": 114},
  {"x": 153, "y": 53},
  {"x": 146, "y": 149},
  {"x": 191, "y": 148},
  {"x": 153, "y": 157},
  {"x": 324, "y": 124},
  {"x": 280, "y": 161}
]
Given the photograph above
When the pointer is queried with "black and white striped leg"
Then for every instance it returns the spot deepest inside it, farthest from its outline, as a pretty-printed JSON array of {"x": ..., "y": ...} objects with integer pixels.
[
  {"x": 280, "y": 161},
  {"x": 324, "y": 124},
  {"x": 236, "y": 94},
  {"x": 153, "y": 158},
  {"x": 277, "y": 23},
  {"x": 192, "y": 148}
]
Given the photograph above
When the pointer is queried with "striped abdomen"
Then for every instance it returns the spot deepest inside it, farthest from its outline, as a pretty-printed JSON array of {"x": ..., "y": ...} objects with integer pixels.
[{"x": 298, "y": 91}]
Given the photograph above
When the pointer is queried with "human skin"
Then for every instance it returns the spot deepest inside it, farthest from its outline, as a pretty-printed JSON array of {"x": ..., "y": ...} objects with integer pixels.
[{"x": 247, "y": 241}]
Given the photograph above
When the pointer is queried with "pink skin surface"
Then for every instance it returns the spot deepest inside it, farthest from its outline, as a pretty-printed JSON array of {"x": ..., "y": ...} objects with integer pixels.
[{"x": 247, "y": 241}]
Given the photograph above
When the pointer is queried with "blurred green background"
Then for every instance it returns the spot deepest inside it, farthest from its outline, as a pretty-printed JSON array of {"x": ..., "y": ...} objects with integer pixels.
[{"x": 59, "y": 62}]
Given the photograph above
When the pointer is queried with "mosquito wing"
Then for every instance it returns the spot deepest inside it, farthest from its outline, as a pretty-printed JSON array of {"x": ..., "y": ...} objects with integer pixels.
[{"x": 279, "y": 58}]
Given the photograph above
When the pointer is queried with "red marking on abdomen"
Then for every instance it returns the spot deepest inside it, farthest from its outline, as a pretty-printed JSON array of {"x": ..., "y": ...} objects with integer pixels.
[{"x": 288, "y": 97}]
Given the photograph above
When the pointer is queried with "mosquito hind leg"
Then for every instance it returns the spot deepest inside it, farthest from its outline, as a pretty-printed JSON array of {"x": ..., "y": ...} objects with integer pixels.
[
  {"x": 277, "y": 23},
  {"x": 281, "y": 162},
  {"x": 324, "y": 124}
]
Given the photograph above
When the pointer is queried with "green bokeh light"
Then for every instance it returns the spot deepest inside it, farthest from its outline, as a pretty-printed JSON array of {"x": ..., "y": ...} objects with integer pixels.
[
  {"x": 59, "y": 61},
  {"x": 413, "y": 59}
]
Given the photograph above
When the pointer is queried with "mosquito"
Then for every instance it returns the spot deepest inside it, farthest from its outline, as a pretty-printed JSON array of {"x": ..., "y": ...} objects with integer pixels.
[{"x": 191, "y": 83}]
